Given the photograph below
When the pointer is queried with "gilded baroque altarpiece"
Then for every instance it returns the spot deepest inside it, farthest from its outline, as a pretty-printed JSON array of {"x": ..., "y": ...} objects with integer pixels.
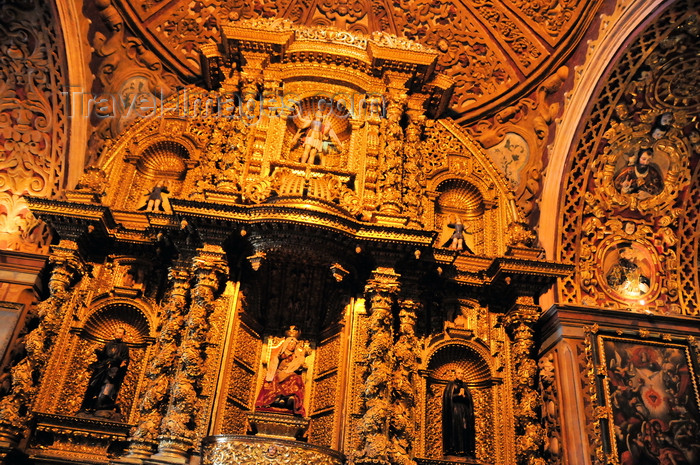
[{"x": 304, "y": 204}]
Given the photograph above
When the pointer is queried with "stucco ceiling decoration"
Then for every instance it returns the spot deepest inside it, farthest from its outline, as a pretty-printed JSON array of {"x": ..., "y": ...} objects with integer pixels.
[{"x": 497, "y": 50}]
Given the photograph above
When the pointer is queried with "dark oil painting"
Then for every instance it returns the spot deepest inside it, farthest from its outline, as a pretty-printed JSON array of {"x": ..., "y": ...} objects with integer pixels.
[{"x": 654, "y": 403}]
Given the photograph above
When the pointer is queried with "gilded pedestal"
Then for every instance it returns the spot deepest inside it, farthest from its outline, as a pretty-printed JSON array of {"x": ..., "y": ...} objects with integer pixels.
[
  {"x": 226, "y": 450},
  {"x": 64, "y": 439}
]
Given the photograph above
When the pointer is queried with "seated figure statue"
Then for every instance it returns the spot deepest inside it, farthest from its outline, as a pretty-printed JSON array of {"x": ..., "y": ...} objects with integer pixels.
[{"x": 283, "y": 387}]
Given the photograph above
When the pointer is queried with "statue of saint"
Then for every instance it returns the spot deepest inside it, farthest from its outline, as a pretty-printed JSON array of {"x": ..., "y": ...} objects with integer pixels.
[
  {"x": 107, "y": 374},
  {"x": 283, "y": 388},
  {"x": 319, "y": 136},
  {"x": 458, "y": 433}
]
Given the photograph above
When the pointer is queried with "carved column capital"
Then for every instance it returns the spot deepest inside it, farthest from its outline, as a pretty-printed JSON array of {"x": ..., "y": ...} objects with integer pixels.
[
  {"x": 209, "y": 267},
  {"x": 409, "y": 309},
  {"x": 67, "y": 263},
  {"x": 384, "y": 281},
  {"x": 523, "y": 313},
  {"x": 180, "y": 279}
]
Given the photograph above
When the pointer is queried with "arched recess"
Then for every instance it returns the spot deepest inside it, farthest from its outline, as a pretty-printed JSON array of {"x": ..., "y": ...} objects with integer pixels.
[
  {"x": 457, "y": 168},
  {"x": 98, "y": 327},
  {"x": 154, "y": 152},
  {"x": 459, "y": 200},
  {"x": 602, "y": 51},
  {"x": 440, "y": 367},
  {"x": 597, "y": 216}
]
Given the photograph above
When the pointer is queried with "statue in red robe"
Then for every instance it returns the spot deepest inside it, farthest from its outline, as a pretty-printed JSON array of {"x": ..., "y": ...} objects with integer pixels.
[{"x": 283, "y": 387}]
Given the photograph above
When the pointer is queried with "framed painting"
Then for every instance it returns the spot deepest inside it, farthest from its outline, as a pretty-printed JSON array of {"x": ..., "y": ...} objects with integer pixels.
[{"x": 651, "y": 401}]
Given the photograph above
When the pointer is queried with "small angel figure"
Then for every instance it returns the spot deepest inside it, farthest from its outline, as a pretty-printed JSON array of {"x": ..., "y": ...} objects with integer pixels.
[
  {"x": 156, "y": 197},
  {"x": 319, "y": 136},
  {"x": 456, "y": 240}
]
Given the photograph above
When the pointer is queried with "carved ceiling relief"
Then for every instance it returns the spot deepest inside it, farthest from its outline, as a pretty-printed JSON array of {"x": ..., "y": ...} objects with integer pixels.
[
  {"x": 515, "y": 141},
  {"x": 632, "y": 208},
  {"x": 132, "y": 82},
  {"x": 491, "y": 48},
  {"x": 32, "y": 118}
]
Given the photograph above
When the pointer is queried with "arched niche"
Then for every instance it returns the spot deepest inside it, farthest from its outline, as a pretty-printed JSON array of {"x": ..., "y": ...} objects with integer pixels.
[
  {"x": 98, "y": 328},
  {"x": 152, "y": 151},
  {"x": 459, "y": 199},
  {"x": 443, "y": 361},
  {"x": 160, "y": 171},
  {"x": 461, "y": 178}
]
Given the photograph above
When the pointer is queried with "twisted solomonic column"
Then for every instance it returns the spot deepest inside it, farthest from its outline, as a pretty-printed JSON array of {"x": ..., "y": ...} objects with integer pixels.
[
  {"x": 376, "y": 447},
  {"x": 520, "y": 321},
  {"x": 154, "y": 399},
  {"x": 16, "y": 406},
  {"x": 403, "y": 390},
  {"x": 178, "y": 426}
]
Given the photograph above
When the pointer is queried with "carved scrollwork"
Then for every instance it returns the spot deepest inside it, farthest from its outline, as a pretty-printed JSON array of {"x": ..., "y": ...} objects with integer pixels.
[
  {"x": 32, "y": 118},
  {"x": 631, "y": 178}
]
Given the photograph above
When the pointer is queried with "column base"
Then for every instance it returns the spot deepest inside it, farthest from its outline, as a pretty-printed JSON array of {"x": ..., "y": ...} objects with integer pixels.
[
  {"x": 9, "y": 438},
  {"x": 78, "y": 440},
  {"x": 278, "y": 425},
  {"x": 171, "y": 450},
  {"x": 137, "y": 452}
]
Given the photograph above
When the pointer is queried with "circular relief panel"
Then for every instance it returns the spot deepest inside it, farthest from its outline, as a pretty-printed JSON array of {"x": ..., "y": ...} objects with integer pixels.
[{"x": 628, "y": 270}]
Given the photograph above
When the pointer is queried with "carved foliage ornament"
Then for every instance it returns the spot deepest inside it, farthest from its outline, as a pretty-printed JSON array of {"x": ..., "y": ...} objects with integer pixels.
[
  {"x": 630, "y": 189},
  {"x": 486, "y": 68},
  {"x": 32, "y": 118}
]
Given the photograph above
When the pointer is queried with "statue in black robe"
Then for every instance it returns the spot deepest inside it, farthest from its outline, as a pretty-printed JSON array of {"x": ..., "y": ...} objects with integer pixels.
[
  {"x": 107, "y": 374},
  {"x": 458, "y": 433}
]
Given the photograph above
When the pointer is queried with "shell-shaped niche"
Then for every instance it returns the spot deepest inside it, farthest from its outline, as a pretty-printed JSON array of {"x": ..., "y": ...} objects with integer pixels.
[
  {"x": 164, "y": 159},
  {"x": 103, "y": 323},
  {"x": 460, "y": 200},
  {"x": 452, "y": 357},
  {"x": 460, "y": 197}
]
